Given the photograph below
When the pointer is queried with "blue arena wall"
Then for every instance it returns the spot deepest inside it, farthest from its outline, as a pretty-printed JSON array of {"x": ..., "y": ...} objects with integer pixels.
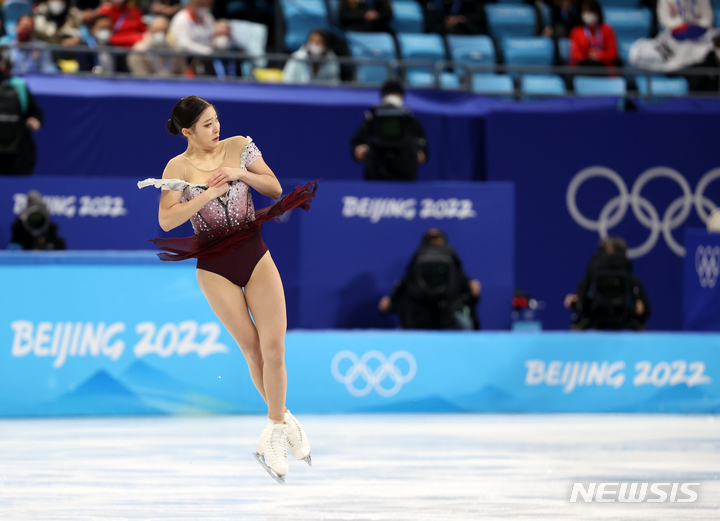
[
  {"x": 582, "y": 168},
  {"x": 121, "y": 334}
]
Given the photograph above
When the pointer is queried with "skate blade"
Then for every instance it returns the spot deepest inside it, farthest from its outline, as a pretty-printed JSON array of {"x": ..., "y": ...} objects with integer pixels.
[
  {"x": 277, "y": 477},
  {"x": 307, "y": 459}
]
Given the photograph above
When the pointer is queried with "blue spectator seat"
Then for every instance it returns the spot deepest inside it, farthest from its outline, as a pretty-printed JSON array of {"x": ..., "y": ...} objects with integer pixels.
[
  {"x": 624, "y": 50},
  {"x": 510, "y": 20},
  {"x": 535, "y": 50},
  {"x": 496, "y": 84},
  {"x": 371, "y": 45},
  {"x": 407, "y": 17},
  {"x": 597, "y": 86},
  {"x": 510, "y": 1},
  {"x": 619, "y": 3},
  {"x": 301, "y": 17},
  {"x": 12, "y": 10},
  {"x": 564, "y": 50},
  {"x": 421, "y": 47},
  {"x": 448, "y": 80},
  {"x": 533, "y": 85},
  {"x": 629, "y": 24},
  {"x": 661, "y": 86},
  {"x": 471, "y": 49},
  {"x": 716, "y": 12}
]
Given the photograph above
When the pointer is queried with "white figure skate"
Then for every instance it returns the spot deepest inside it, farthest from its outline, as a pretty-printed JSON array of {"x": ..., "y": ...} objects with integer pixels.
[
  {"x": 297, "y": 440},
  {"x": 271, "y": 452}
]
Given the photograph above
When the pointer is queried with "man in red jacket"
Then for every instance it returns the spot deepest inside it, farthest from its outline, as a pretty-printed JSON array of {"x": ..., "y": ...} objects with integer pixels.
[
  {"x": 593, "y": 43},
  {"x": 128, "y": 27}
]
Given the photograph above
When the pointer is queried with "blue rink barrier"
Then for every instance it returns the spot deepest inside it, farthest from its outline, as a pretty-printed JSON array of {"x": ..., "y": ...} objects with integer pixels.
[{"x": 95, "y": 339}]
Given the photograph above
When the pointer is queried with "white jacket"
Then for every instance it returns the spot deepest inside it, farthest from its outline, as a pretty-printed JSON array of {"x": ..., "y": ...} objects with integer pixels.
[
  {"x": 193, "y": 36},
  {"x": 674, "y": 13},
  {"x": 301, "y": 72}
]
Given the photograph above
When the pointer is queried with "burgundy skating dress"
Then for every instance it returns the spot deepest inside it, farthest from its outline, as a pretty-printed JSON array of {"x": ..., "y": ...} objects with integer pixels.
[{"x": 227, "y": 237}]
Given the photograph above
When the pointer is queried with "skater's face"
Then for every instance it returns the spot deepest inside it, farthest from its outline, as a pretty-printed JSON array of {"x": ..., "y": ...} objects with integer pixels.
[{"x": 206, "y": 132}]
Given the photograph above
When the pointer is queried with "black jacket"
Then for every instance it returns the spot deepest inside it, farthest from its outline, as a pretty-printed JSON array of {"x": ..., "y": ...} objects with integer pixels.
[
  {"x": 352, "y": 15},
  {"x": 395, "y": 161}
]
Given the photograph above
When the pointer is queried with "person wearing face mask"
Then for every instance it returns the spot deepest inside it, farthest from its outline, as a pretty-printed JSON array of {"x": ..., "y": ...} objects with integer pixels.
[
  {"x": 56, "y": 20},
  {"x": 144, "y": 63},
  {"x": 127, "y": 25},
  {"x": 99, "y": 62},
  {"x": 593, "y": 44},
  {"x": 391, "y": 141},
  {"x": 301, "y": 67},
  {"x": 34, "y": 59}
]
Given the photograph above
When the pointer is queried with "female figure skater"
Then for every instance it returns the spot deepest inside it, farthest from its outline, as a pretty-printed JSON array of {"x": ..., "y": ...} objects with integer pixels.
[{"x": 209, "y": 184}]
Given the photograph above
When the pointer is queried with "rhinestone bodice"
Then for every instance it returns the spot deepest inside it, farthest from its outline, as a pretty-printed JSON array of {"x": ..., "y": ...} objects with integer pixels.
[{"x": 233, "y": 209}]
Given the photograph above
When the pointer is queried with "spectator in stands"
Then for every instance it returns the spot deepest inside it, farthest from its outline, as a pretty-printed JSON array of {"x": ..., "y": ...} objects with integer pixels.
[
  {"x": 36, "y": 59},
  {"x": 391, "y": 141},
  {"x": 565, "y": 17},
  {"x": 299, "y": 69},
  {"x": 99, "y": 62},
  {"x": 167, "y": 8},
  {"x": 128, "y": 27},
  {"x": 435, "y": 292},
  {"x": 686, "y": 41},
  {"x": 33, "y": 229},
  {"x": 20, "y": 117},
  {"x": 142, "y": 63},
  {"x": 56, "y": 20},
  {"x": 453, "y": 16},
  {"x": 593, "y": 44},
  {"x": 193, "y": 29},
  {"x": 609, "y": 296},
  {"x": 365, "y": 15}
]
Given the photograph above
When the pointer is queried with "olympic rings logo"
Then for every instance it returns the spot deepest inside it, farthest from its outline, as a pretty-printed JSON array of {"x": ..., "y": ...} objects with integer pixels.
[
  {"x": 615, "y": 209},
  {"x": 373, "y": 379},
  {"x": 707, "y": 265}
]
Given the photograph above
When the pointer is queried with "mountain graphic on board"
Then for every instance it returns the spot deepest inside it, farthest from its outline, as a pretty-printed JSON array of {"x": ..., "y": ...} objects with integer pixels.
[
  {"x": 678, "y": 399},
  {"x": 98, "y": 395},
  {"x": 488, "y": 399},
  {"x": 165, "y": 392}
]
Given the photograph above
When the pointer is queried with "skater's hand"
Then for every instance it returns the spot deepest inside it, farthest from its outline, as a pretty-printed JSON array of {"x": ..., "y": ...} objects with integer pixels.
[
  {"x": 217, "y": 191},
  {"x": 384, "y": 304},
  {"x": 225, "y": 175},
  {"x": 475, "y": 288}
]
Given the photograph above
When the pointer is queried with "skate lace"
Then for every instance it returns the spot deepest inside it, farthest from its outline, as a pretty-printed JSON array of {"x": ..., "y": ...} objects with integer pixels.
[
  {"x": 296, "y": 436},
  {"x": 277, "y": 444}
]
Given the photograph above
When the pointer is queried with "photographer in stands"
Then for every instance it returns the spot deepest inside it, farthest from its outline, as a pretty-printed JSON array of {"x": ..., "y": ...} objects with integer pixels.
[
  {"x": 435, "y": 292},
  {"x": 609, "y": 296},
  {"x": 20, "y": 115},
  {"x": 33, "y": 229},
  {"x": 391, "y": 141}
]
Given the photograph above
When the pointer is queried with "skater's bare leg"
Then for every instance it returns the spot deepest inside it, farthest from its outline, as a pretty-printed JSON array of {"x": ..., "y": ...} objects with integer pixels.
[
  {"x": 228, "y": 303},
  {"x": 266, "y": 300}
]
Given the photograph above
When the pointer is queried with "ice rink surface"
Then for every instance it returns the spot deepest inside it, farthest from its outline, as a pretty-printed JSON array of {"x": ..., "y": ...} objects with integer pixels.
[{"x": 365, "y": 467}]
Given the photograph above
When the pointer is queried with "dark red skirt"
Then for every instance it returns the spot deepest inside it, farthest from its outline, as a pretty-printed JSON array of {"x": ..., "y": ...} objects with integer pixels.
[{"x": 218, "y": 242}]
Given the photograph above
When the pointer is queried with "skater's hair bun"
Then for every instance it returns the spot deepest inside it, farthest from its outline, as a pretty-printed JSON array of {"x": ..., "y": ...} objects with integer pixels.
[{"x": 186, "y": 113}]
